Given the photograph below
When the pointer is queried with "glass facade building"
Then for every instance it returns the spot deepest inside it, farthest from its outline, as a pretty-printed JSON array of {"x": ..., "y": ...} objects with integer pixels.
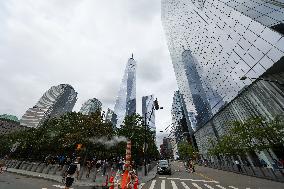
[
  {"x": 126, "y": 100},
  {"x": 55, "y": 102},
  {"x": 148, "y": 111},
  {"x": 217, "y": 41},
  {"x": 180, "y": 118},
  {"x": 91, "y": 106},
  {"x": 111, "y": 117}
]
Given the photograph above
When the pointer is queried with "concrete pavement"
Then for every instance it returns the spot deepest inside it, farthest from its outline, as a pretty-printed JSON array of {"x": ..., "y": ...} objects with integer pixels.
[
  {"x": 12, "y": 174},
  {"x": 206, "y": 178}
]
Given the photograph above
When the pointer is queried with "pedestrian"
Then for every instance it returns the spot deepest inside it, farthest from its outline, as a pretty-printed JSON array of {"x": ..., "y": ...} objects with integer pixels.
[
  {"x": 191, "y": 166},
  {"x": 74, "y": 168},
  {"x": 104, "y": 167},
  {"x": 238, "y": 165},
  {"x": 263, "y": 163},
  {"x": 89, "y": 168},
  {"x": 2, "y": 166}
]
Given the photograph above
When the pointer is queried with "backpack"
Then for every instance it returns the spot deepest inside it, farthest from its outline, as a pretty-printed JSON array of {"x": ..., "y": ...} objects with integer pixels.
[{"x": 72, "y": 169}]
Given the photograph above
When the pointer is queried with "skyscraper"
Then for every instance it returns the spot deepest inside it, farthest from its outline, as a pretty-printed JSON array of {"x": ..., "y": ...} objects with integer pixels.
[
  {"x": 180, "y": 118},
  {"x": 148, "y": 112},
  {"x": 126, "y": 100},
  {"x": 200, "y": 101},
  {"x": 222, "y": 44},
  {"x": 90, "y": 106},
  {"x": 111, "y": 117},
  {"x": 55, "y": 102}
]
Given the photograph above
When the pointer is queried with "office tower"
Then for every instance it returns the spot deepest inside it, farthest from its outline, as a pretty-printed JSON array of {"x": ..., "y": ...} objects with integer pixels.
[
  {"x": 199, "y": 99},
  {"x": 126, "y": 100},
  {"x": 148, "y": 111},
  {"x": 111, "y": 117},
  {"x": 224, "y": 44},
  {"x": 91, "y": 106},
  {"x": 180, "y": 119},
  {"x": 55, "y": 102}
]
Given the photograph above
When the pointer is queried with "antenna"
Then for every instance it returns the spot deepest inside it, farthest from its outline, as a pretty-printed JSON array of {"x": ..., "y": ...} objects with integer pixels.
[{"x": 132, "y": 56}]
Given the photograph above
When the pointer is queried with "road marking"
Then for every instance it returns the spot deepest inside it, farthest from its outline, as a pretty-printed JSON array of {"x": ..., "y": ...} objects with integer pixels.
[
  {"x": 184, "y": 185},
  {"x": 220, "y": 186},
  {"x": 204, "y": 176},
  {"x": 59, "y": 186},
  {"x": 162, "y": 177},
  {"x": 208, "y": 186},
  {"x": 174, "y": 185},
  {"x": 209, "y": 181},
  {"x": 198, "y": 187},
  {"x": 141, "y": 185},
  {"x": 44, "y": 188},
  {"x": 233, "y": 187},
  {"x": 163, "y": 184},
  {"x": 153, "y": 184}
]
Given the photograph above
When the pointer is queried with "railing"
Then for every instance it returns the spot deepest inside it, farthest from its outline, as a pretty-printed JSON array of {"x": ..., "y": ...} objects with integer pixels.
[{"x": 276, "y": 174}]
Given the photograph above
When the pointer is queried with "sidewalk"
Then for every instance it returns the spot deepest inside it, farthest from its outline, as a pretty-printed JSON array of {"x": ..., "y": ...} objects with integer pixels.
[{"x": 99, "y": 183}]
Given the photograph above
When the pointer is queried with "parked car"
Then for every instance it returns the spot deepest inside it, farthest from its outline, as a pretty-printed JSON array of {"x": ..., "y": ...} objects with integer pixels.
[{"x": 164, "y": 167}]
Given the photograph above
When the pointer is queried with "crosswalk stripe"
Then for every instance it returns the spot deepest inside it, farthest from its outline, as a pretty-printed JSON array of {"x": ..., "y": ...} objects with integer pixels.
[
  {"x": 208, "y": 186},
  {"x": 233, "y": 187},
  {"x": 221, "y": 187},
  {"x": 163, "y": 184},
  {"x": 184, "y": 185},
  {"x": 141, "y": 185},
  {"x": 153, "y": 184},
  {"x": 174, "y": 184},
  {"x": 196, "y": 185}
]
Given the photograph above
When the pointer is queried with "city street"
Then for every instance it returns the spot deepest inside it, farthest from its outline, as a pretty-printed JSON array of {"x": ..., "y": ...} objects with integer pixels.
[
  {"x": 14, "y": 181},
  {"x": 207, "y": 178}
]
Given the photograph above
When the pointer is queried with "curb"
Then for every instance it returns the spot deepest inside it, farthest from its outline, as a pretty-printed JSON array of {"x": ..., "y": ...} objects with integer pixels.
[{"x": 33, "y": 176}]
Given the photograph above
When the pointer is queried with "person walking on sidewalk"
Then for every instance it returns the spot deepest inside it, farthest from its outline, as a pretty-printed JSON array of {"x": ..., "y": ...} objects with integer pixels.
[
  {"x": 238, "y": 165},
  {"x": 74, "y": 168}
]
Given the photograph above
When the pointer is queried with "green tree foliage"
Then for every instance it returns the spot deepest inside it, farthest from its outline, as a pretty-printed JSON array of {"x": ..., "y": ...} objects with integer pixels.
[
  {"x": 60, "y": 135},
  {"x": 134, "y": 130},
  {"x": 186, "y": 150},
  {"x": 254, "y": 134}
]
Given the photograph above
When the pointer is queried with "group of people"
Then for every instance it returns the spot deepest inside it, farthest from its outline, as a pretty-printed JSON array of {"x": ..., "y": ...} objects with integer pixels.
[
  {"x": 97, "y": 165},
  {"x": 189, "y": 164}
]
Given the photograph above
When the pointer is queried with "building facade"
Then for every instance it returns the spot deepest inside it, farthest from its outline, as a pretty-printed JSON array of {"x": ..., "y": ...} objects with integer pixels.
[
  {"x": 181, "y": 124},
  {"x": 55, "y": 102},
  {"x": 261, "y": 98},
  {"x": 224, "y": 44},
  {"x": 166, "y": 149},
  {"x": 111, "y": 117},
  {"x": 91, "y": 106},
  {"x": 148, "y": 111},
  {"x": 126, "y": 100}
]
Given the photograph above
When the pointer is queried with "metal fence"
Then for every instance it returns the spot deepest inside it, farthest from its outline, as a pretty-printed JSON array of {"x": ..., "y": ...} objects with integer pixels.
[{"x": 260, "y": 172}]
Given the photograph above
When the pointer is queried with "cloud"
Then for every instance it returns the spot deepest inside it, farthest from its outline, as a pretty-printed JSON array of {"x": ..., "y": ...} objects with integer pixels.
[{"x": 83, "y": 43}]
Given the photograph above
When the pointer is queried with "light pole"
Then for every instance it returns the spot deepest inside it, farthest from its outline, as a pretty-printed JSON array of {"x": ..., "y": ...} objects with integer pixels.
[
  {"x": 155, "y": 107},
  {"x": 268, "y": 80}
]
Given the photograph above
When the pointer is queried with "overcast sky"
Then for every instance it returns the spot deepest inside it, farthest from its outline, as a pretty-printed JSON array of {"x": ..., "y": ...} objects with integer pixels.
[{"x": 84, "y": 43}]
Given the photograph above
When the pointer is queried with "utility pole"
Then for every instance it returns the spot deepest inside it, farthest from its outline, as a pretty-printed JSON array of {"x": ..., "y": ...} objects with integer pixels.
[{"x": 155, "y": 107}]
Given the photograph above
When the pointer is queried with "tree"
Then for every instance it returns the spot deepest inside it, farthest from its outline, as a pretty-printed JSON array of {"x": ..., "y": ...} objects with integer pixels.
[
  {"x": 133, "y": 129},
  {"x": 254, "y": 134},
  {"x": 186, "y": 150}
]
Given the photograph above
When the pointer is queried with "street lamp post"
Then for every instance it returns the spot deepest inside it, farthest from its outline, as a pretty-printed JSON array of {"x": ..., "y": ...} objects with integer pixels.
[
  {"x": 155, "y": 107},
  {"x": 268, "y": 80}
]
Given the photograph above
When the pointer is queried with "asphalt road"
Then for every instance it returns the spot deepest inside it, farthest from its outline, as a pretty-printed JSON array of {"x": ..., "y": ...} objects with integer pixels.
[
  {"x": 206, "y": 178},
  {"x": 14, "y": 181}
]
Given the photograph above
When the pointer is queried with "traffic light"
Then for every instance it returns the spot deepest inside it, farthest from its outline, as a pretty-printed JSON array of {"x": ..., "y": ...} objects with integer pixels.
[{"x": 156, "y": 104}]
